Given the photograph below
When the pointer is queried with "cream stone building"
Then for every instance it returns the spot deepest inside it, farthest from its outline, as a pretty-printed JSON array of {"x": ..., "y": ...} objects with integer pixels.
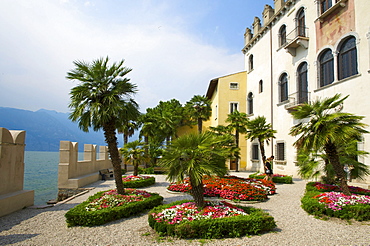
[{"x": 299, "y": 51}]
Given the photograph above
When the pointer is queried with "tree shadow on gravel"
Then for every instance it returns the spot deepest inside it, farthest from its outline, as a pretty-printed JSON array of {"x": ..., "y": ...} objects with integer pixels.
[{"x": 15, "y": 238}]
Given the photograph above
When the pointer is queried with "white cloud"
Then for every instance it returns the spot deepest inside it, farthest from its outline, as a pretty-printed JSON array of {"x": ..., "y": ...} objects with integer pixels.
[{"x": 45, "y": 37}]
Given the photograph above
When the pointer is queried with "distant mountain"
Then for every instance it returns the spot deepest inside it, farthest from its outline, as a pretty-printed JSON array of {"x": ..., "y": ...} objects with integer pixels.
[{"x": 46, "y": 128}]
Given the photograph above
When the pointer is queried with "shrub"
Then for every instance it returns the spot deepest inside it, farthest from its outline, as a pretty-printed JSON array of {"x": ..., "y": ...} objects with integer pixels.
[
  {"x": 254, "y": 223},
  {"x": 277, "y": 178},
  {"x": 149, "y": 170},
  {"x": 80, "y": 216},
  {"x": 312, "y": 205},
  {"x": 138, "y": 181}
]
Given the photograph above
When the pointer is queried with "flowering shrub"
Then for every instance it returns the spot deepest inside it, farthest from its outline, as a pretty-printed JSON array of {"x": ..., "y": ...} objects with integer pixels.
[
  {"x": 215, "y": 220},
  {"x": 139, "y": 181},
  {"x": 327, "y": 187},
  {"x": 231, "y": 188},
  {"x": 337, "y": 200},
  {"x": 189, "y": 212},
  {"x": 110, "y": 199}
]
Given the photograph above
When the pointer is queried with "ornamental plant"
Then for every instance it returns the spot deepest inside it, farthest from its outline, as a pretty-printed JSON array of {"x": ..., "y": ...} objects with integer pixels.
[
  {"x": 106, "y": 206},
  {"x": 184, "y": 219},
  {"x": 137, "y": 181},
  {"x": 337, "y": 200},
  {"x": 277, "y": 178},
  {"x": 230, "y": 187}
]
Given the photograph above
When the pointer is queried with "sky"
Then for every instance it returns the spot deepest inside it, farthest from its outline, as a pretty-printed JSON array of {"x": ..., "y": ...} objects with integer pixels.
[{"x": 174, "y": 47}]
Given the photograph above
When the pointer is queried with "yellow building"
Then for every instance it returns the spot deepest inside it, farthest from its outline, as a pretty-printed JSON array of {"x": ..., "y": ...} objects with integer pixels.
[{"x": 227, "y": 94}]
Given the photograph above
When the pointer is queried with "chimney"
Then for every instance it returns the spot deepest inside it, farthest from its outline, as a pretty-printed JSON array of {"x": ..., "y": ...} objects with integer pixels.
[
  {"x": 247, "y": 36},
  {"x": 256, "y": 25},
  {"x": 278, "y": 5}
]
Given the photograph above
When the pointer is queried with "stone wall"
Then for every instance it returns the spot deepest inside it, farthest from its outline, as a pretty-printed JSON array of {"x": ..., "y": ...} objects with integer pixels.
[
  {"x": 74, "y": 174},
  {"x": 12, "y": 195}
]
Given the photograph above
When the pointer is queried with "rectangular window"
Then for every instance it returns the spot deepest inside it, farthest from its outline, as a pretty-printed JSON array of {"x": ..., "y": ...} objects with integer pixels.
[
  {"x": 234, "y": 86},
  {"x": 255, "y": 152},
  {"x": 233, "y": 107},
  {"x": 280, "y": 151},
  {"x": 325, "y": 5}
]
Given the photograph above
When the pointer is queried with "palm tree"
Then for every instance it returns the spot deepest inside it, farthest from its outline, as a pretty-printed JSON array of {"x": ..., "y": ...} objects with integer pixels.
[
  {"x": 134, "y": 154},
  {"x": 326, "y": 130},
  {"x": 238, "y": 123},
  {"x": 195, "y": 155},
  {"x": 262, "y": 131},
  {"x": 99, "y": 102},
  {"x": 199, "y": 109}
]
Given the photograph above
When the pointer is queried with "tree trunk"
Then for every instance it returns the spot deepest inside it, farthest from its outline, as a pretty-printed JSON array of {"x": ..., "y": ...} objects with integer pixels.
[
  {"x": 111, "y": 140},
  {"x": 136, "y": 169},
  {"x": 197, "y": 192},
  {"x": 237, "y": 145},
  {"x": 125, "y": 141},
  {"x": 333, "y": 157},
  {"x": 262, "y": 148},
  {"x": 200, "y": 125}
]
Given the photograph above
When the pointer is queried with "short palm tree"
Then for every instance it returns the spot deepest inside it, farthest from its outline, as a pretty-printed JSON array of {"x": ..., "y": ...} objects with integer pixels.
[
  {"x": 238, "y": 123},
  {"x": 199, "y": 109},
  {"x": 324, "y": 128},
  {"x": 259, "y": 129},
  {"x": 134, "y": 154},
  {"x": 195, "y": 155},
  {"x": 98, "y": 102}
]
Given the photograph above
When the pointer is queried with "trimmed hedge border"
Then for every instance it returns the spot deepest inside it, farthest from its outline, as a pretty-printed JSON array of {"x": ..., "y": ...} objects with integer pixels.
[
  {"x": 139, "y": 183},
  {"x": 238, "y": 226},
  {"x": 359, "y": 212},
  {"x": 281, "y": 180},
  {"x": 78, "y": 216}
]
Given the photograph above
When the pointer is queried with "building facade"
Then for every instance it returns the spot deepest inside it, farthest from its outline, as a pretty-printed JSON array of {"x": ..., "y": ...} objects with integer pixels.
[{"x": 300, "y": 51}]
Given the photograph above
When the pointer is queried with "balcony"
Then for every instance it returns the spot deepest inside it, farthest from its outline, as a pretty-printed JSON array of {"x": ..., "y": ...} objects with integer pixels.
[
  {"x": 296, "y": 99},
  {"x": 296, "y": 38}
]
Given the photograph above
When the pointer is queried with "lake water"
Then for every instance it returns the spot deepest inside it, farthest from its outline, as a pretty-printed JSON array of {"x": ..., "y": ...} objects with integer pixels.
[{"x": 41, "y": 174}]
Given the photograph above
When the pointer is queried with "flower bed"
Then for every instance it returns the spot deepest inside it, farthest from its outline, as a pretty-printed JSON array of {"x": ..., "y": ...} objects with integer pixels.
[
  {"x": 335, "y": 203},
  {"x": 327, "y": 187},
  {"x": 107, "y": 206},
  {"x": 137, "y": 181},
  {"x": 231, "y": 188},
  {"x": 277, "y": 178},
  {"x": 215, "y": 220}
]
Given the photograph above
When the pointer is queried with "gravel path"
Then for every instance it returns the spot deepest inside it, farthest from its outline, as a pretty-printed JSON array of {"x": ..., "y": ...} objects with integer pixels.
[{"x": 294, "y": 227}]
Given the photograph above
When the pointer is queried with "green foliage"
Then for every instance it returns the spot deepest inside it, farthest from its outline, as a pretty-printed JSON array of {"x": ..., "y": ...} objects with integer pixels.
[
  {"x": 360, "y": 212},
  {"x": 79, "y": 216},
  {"x": 149, "y": 170},
  {"x": 140, "y": 183},
  {"x": 275, "y": 179},
  {"x": 238, "y": 226}
]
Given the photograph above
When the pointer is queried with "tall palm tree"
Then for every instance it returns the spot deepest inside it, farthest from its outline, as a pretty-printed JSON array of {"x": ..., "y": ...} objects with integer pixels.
[
  {"x": 259, "y": 129},
  {"x": 195, "y": 155},
  {"x": 238, "y": 123},
  {"x": 134, "y": 154},
  {"x": 326, "y": 130},
  {"x": 98, "y": 102},
  {"x": 199, "y": 109}
]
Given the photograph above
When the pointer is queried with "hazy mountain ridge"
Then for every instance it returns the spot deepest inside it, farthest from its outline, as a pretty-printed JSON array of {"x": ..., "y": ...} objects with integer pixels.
[{"x": 46, "y": 128}]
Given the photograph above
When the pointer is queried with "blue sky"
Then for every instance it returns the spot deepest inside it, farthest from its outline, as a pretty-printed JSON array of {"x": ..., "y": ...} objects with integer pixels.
[{"x": 175, "y": 47}]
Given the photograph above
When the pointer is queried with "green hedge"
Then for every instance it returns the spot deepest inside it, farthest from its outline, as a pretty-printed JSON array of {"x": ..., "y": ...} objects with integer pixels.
[
  {"x": 238, "y": 226},
  {"x": 139, "y": 183},
  {"x": 360, "y": 212},
  {"x": 78, "y": 216},
  {"x": 281, "y": 180}
]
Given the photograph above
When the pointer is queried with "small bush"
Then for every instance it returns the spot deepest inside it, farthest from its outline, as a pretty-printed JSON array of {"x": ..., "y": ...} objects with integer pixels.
[
  {"x": 139, "y": 183},
  {"x": 311, "y": 205},
  {"x": 79, "y": 216},
  {"x": 282, "y": 179},
  {"x": 149, "y": 170},
  {"x": 238, "y": 226}
]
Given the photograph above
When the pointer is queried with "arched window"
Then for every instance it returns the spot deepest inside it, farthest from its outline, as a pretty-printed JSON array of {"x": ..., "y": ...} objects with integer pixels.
[
  {"x": 250, "y": 103},
  {"x": 282, "y": 35},
  {"x": 347, "y": 58},
  {"x": 283, "y": 87},
  {"x": 250, "y": 62},
  {"x": 326, "y": 68},
  {"x": 301, "y": 23},
  {"x": 260, "y": 86},
  {"x": 302, "y": 83}
]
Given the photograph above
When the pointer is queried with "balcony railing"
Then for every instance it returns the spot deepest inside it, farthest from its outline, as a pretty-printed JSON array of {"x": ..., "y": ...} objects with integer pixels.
[
  {"x": 297, "y": 99},
  {"x": 297, "y": 37}
]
